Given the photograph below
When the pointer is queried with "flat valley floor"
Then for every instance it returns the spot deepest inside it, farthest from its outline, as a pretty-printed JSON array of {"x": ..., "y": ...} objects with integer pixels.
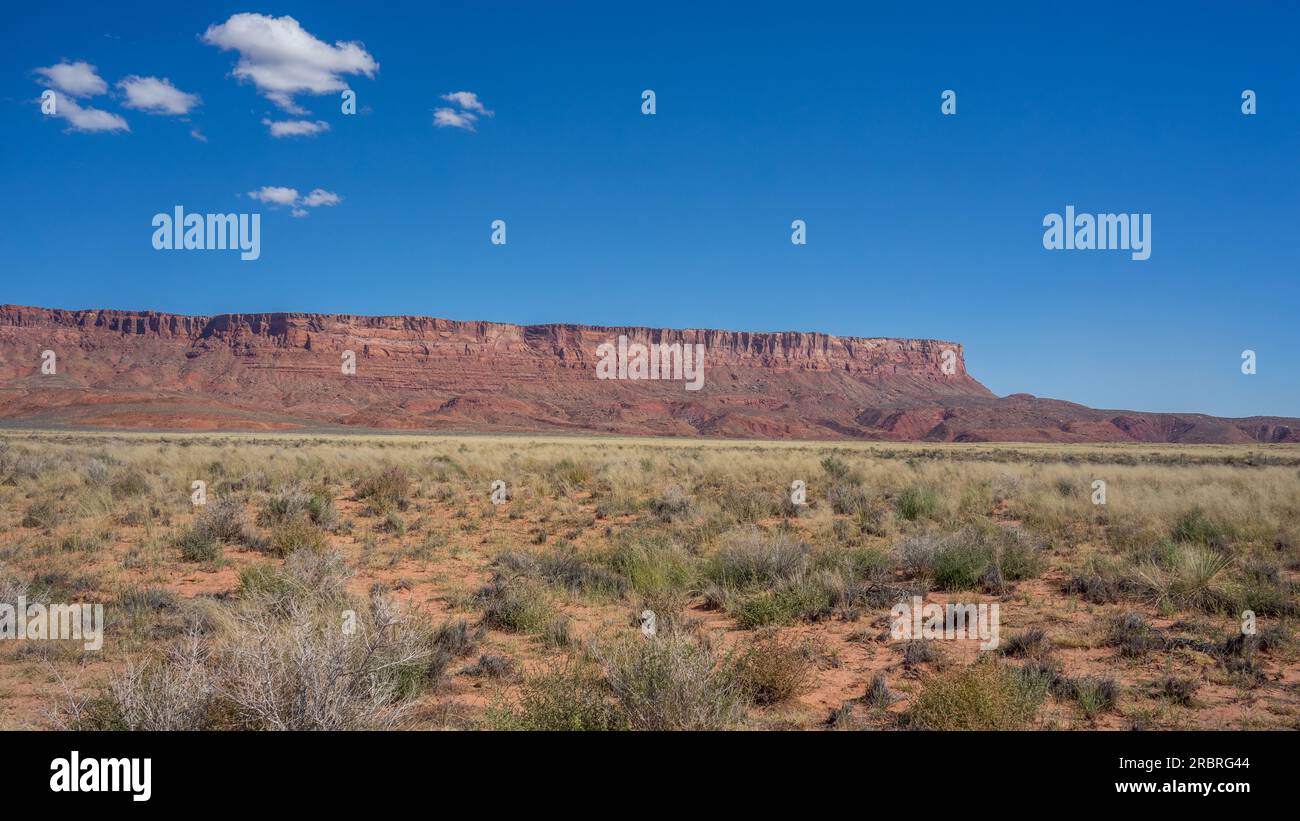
[{"x": 350, "y": 581}]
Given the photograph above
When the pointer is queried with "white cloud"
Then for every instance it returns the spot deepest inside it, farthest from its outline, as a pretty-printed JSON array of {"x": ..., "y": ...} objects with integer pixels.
[
  {"x": 319, "y": 196},
  {"x": 471, "y": 107},
  {"x": 86, "y": 119},
  {"x": 451, "y": 118},
  {"x": 156, "y": 95},
  {"x": 288, "y": 197},
  {"x": 467, "y": 100},
  {"x": 78, "y": 79},
  {"x": 198, "y": 135},
  {"x": 295, "y": 128},
  {"x": 275, "y": 195},
  {"x": 282, "y": 59}
]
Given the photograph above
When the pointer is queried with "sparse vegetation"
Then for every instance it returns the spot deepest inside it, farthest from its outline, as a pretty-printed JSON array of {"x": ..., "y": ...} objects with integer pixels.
[{"x": 369, "y": 582}]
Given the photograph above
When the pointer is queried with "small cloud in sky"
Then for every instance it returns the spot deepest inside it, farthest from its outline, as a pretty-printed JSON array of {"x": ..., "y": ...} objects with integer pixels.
[
  {"x": 467, "y": 100},
  {"x": 198, "y": 135},
  {"x": 275, "y": 195},
  {"x": 156, "y": 96},
  {"x": 319, "y": 196},
  {"x": 288, "y": 198},
  {"x": 282, "y": 59},
  {"x": 78, "y": 79},
  {"x": 86, "y": 119},
  {"x": 470, "y": 109},
  {"x": 295, "y": 128},
  {"x": 451, "y": 118}
]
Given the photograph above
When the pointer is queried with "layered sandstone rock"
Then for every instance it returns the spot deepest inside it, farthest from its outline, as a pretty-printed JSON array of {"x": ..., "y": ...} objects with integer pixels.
[{"x": 283, "y": 370}]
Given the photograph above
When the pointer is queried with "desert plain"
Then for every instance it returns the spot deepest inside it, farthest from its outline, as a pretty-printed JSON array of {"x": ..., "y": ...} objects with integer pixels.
[{"x": 352, "y": 580}]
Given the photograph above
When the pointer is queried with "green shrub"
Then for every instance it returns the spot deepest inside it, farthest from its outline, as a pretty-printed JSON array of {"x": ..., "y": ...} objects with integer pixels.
[
  {"x": 1267, "y": 594},
  {"x": 569, "y": 697},
  {"x": 319, "y": 576},
  {"x": 293, "y": 535},
  {"x": 321, "y": 510},
  {"x": 916, "y": 502},
  {"x": 960, "y": 561},
  {"x": 516, "y": 605},
  {"x": 653, "y": 565},
  {"x": 803, "y": 598},
  {"x": 197, "y": 546},
  {"x": 292, "y": 502},
  {"x": 1196, "y": 578},
  {"x": 1197, "y": 526},
  {"x": 983, "y": 557},
  {"x": 982, "y": 696},
  {"x": 1095, "y": 695},
  {"x": 1018, "y": 555},
  {"x": 838, "y": 470}
]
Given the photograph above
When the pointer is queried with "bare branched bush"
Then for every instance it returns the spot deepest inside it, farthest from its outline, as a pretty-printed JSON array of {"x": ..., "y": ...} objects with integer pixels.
[
  {"x": 11, "y": 588},
  {"x": 917, "y": 552},
  {"x": 175, "y": 692},
  {"x": 291, "y": 654},
  {"x": 222, "y": 520},
  {"x": 307, "y": 673}
]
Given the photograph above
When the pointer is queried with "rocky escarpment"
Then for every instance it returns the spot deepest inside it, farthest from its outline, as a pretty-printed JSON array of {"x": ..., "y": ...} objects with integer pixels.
[{"x": 283, "y": 370}]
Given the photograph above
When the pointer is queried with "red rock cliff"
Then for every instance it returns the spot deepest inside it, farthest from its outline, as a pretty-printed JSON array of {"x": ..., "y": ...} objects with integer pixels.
[{"x": 149, "y": 369}]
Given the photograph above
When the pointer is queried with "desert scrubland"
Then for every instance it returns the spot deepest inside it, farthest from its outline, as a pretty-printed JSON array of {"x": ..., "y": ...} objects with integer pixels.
[{"x": 361, "y": 581}]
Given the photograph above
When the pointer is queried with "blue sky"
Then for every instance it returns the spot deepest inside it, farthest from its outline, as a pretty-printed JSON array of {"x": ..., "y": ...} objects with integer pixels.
[{"x": 919, "y": 224}]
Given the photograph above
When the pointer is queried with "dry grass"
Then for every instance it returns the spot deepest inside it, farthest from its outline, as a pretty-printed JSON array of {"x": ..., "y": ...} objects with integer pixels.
[{"x": 229, "y": 614}]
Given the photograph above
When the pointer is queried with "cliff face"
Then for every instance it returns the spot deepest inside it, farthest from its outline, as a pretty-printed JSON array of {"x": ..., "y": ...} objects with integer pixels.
[
  {"x": 400, "y": 337},
  {"x": 282, "y": 370}
]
